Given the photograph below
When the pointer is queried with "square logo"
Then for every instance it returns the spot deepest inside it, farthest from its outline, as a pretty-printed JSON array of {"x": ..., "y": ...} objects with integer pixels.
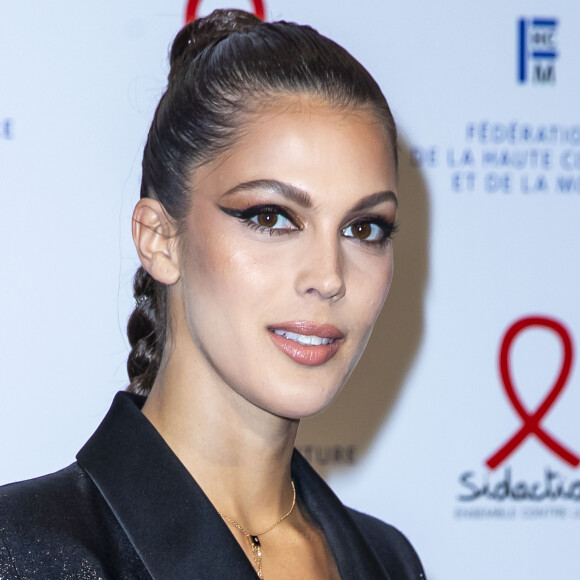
[{"x": 537, "y": 50}]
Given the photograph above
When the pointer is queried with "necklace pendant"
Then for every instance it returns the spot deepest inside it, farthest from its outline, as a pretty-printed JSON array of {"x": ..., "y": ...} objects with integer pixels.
[
  {"x": 255, "y": 542},
  {"x": 255, "y": 545},
  {"x": 256, "y": 554}
]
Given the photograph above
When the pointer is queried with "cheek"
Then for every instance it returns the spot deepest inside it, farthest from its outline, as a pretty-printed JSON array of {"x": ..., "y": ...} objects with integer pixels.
[
  {"x": 254, "y": 275},
  {"x": 370, "y": 281},
  {"x": 230, "y": 271}
]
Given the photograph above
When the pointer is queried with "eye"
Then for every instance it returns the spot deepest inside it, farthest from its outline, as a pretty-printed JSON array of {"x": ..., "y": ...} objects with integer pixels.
[
  {"x": 375, "y": 231},
  {"x": 272, "y": 220},
  {"x": 364, "y": 231}
]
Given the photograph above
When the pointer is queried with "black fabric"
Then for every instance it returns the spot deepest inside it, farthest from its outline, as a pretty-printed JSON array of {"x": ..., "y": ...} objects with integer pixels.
[
  {"x": 59, "y": 526},
  {"x": 128, "y": 509}
]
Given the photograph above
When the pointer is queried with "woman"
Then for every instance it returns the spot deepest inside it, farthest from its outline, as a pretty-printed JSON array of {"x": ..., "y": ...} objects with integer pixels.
[{"x": 267, "y": 207}]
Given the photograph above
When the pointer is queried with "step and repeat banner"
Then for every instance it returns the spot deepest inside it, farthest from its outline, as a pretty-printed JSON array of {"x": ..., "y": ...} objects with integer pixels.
[{"x": 460, "y": 425}]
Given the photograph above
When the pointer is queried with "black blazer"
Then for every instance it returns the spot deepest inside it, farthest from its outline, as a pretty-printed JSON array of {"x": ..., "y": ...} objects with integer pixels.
[{"x": 128, "y": 509}]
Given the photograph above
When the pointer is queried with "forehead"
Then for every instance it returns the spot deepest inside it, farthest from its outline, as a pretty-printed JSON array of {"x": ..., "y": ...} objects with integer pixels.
[
  {"x": 310, "y": 143},
  {"x": 287, "y": 112}
]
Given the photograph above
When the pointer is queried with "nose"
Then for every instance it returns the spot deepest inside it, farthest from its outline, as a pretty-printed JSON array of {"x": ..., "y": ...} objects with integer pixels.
[{"x": 321, "y": 271}]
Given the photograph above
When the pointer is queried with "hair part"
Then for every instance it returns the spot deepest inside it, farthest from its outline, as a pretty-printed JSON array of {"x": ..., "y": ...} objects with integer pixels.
[{"x": 225, "y": 68}]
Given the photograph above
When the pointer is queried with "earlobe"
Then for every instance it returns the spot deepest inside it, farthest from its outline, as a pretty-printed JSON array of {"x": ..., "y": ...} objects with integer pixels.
[{"x": 154, "y": 237}]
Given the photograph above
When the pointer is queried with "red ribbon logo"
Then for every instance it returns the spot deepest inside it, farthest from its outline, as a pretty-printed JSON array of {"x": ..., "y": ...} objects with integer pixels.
[
  {"x": 531, "y": 425},
  {"x": 193, "y": 5}
]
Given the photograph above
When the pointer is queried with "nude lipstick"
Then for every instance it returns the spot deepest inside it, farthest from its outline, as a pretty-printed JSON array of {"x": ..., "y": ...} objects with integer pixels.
[{"x": 306, "y": 342}]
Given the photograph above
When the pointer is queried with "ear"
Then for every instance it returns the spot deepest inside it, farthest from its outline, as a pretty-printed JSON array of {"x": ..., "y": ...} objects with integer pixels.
[{"x": 154, "y": 237}]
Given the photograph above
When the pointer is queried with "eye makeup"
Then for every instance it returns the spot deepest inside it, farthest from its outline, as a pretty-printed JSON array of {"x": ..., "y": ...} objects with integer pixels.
[
  {"x": 266, "y": 218},
  {"x": 274, "y": 219},
  {"x": 371, "y": 230}
]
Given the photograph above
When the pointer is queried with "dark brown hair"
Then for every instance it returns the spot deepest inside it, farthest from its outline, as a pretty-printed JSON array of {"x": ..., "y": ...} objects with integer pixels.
[{"x": 225, "y": 68}]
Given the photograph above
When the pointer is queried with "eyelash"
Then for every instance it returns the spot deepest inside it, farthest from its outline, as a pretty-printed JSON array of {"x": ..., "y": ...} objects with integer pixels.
[
  {"x": 246, "y": 215},
  {"x": 387, "y": 227}
]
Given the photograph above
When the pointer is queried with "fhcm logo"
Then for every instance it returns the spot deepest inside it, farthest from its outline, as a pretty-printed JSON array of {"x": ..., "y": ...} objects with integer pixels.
[{"x": 537, "y": 52}]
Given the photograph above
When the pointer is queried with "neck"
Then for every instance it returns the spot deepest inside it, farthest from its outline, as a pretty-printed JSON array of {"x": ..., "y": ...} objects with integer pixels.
[{"x": 238, "y": 453}]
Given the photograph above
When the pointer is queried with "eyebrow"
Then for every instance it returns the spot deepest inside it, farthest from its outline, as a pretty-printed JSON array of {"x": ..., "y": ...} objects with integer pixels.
[
  {"x": 287, "y": 190},
  {"x": 376, "y": 199},
  {"x": 303, "y": 199}
]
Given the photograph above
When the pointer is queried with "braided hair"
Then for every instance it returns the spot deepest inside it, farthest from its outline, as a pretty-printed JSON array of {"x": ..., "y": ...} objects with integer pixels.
[{"x": 224, "y": 69}]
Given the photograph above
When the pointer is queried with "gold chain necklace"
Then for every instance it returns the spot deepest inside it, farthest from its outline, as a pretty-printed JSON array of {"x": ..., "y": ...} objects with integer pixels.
[{"x": 254, "y": 539}]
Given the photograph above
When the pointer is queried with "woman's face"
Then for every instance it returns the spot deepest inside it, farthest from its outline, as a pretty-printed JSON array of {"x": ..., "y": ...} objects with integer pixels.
[{"x": 286, "y": 258}]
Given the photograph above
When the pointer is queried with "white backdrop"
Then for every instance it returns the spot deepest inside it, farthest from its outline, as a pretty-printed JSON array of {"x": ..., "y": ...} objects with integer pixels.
[{"x": 486, "y": 98}]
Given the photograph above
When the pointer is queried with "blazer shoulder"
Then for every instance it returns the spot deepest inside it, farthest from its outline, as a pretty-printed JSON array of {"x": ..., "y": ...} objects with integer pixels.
[
  {"x": 45, "y": 487},
  {"x": 58, "y": 499},
  {"x": 392, "y": 548},
  {"x": 51, "y": 496},
  {"x": 33, "y": 513},
  {"x": 61, "y": 522}
]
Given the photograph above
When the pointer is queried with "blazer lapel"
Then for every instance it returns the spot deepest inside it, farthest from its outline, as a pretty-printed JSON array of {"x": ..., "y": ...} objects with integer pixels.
[
  {"x": 169, "y": 520},
  {"x": 354, "y": 557}
]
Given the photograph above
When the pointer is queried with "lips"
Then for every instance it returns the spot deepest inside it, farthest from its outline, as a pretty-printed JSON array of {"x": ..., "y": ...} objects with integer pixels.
[{"x": 305, "y": 342}]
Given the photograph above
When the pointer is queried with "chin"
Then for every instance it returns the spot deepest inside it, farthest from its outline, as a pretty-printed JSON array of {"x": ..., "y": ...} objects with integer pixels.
[{"x": 303, "y": 403}]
